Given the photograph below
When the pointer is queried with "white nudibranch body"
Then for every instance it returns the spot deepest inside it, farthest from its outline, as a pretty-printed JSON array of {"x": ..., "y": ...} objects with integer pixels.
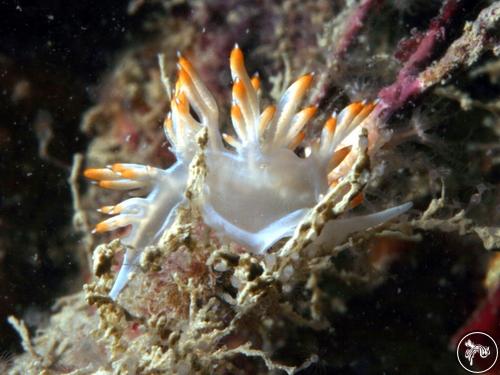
[{"x": 256, "y": 191}]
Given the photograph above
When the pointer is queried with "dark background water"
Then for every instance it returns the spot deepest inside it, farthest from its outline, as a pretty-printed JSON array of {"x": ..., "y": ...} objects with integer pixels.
[{"x": 52, "y": 55}]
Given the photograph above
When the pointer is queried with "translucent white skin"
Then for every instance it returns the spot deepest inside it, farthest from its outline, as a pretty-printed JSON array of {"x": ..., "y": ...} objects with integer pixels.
[
  {"x": 243, "y": 203},
  {"x": 154, "y": 214},
  {"x": 258, "y": 200},
  {"x": 255, "y": 192},
  {"x": 336, "y": 231}
]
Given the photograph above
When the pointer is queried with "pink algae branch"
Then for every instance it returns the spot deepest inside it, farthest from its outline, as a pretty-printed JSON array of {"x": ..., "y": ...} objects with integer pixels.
[
  {"x": 419, "y": 72},
  {"x": 353, "y": 26},
  {"x": 463, "y": 52},
  {"x": 467, "y": 49},
  {"x": 407, "y": 84}
]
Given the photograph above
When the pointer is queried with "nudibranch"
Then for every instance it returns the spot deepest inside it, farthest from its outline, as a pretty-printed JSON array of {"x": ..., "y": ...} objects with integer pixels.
[{"x": 257, "y": 188}]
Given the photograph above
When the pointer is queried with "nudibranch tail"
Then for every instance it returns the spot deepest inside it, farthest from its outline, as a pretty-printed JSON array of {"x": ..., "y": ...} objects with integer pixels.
[{"x": 336, "y": 231}]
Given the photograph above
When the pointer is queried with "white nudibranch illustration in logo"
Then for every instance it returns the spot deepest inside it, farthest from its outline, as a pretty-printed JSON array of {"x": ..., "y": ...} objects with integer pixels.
[
  {"x": 258, "y": 189},
  {"x": 484, "y": 351}
]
